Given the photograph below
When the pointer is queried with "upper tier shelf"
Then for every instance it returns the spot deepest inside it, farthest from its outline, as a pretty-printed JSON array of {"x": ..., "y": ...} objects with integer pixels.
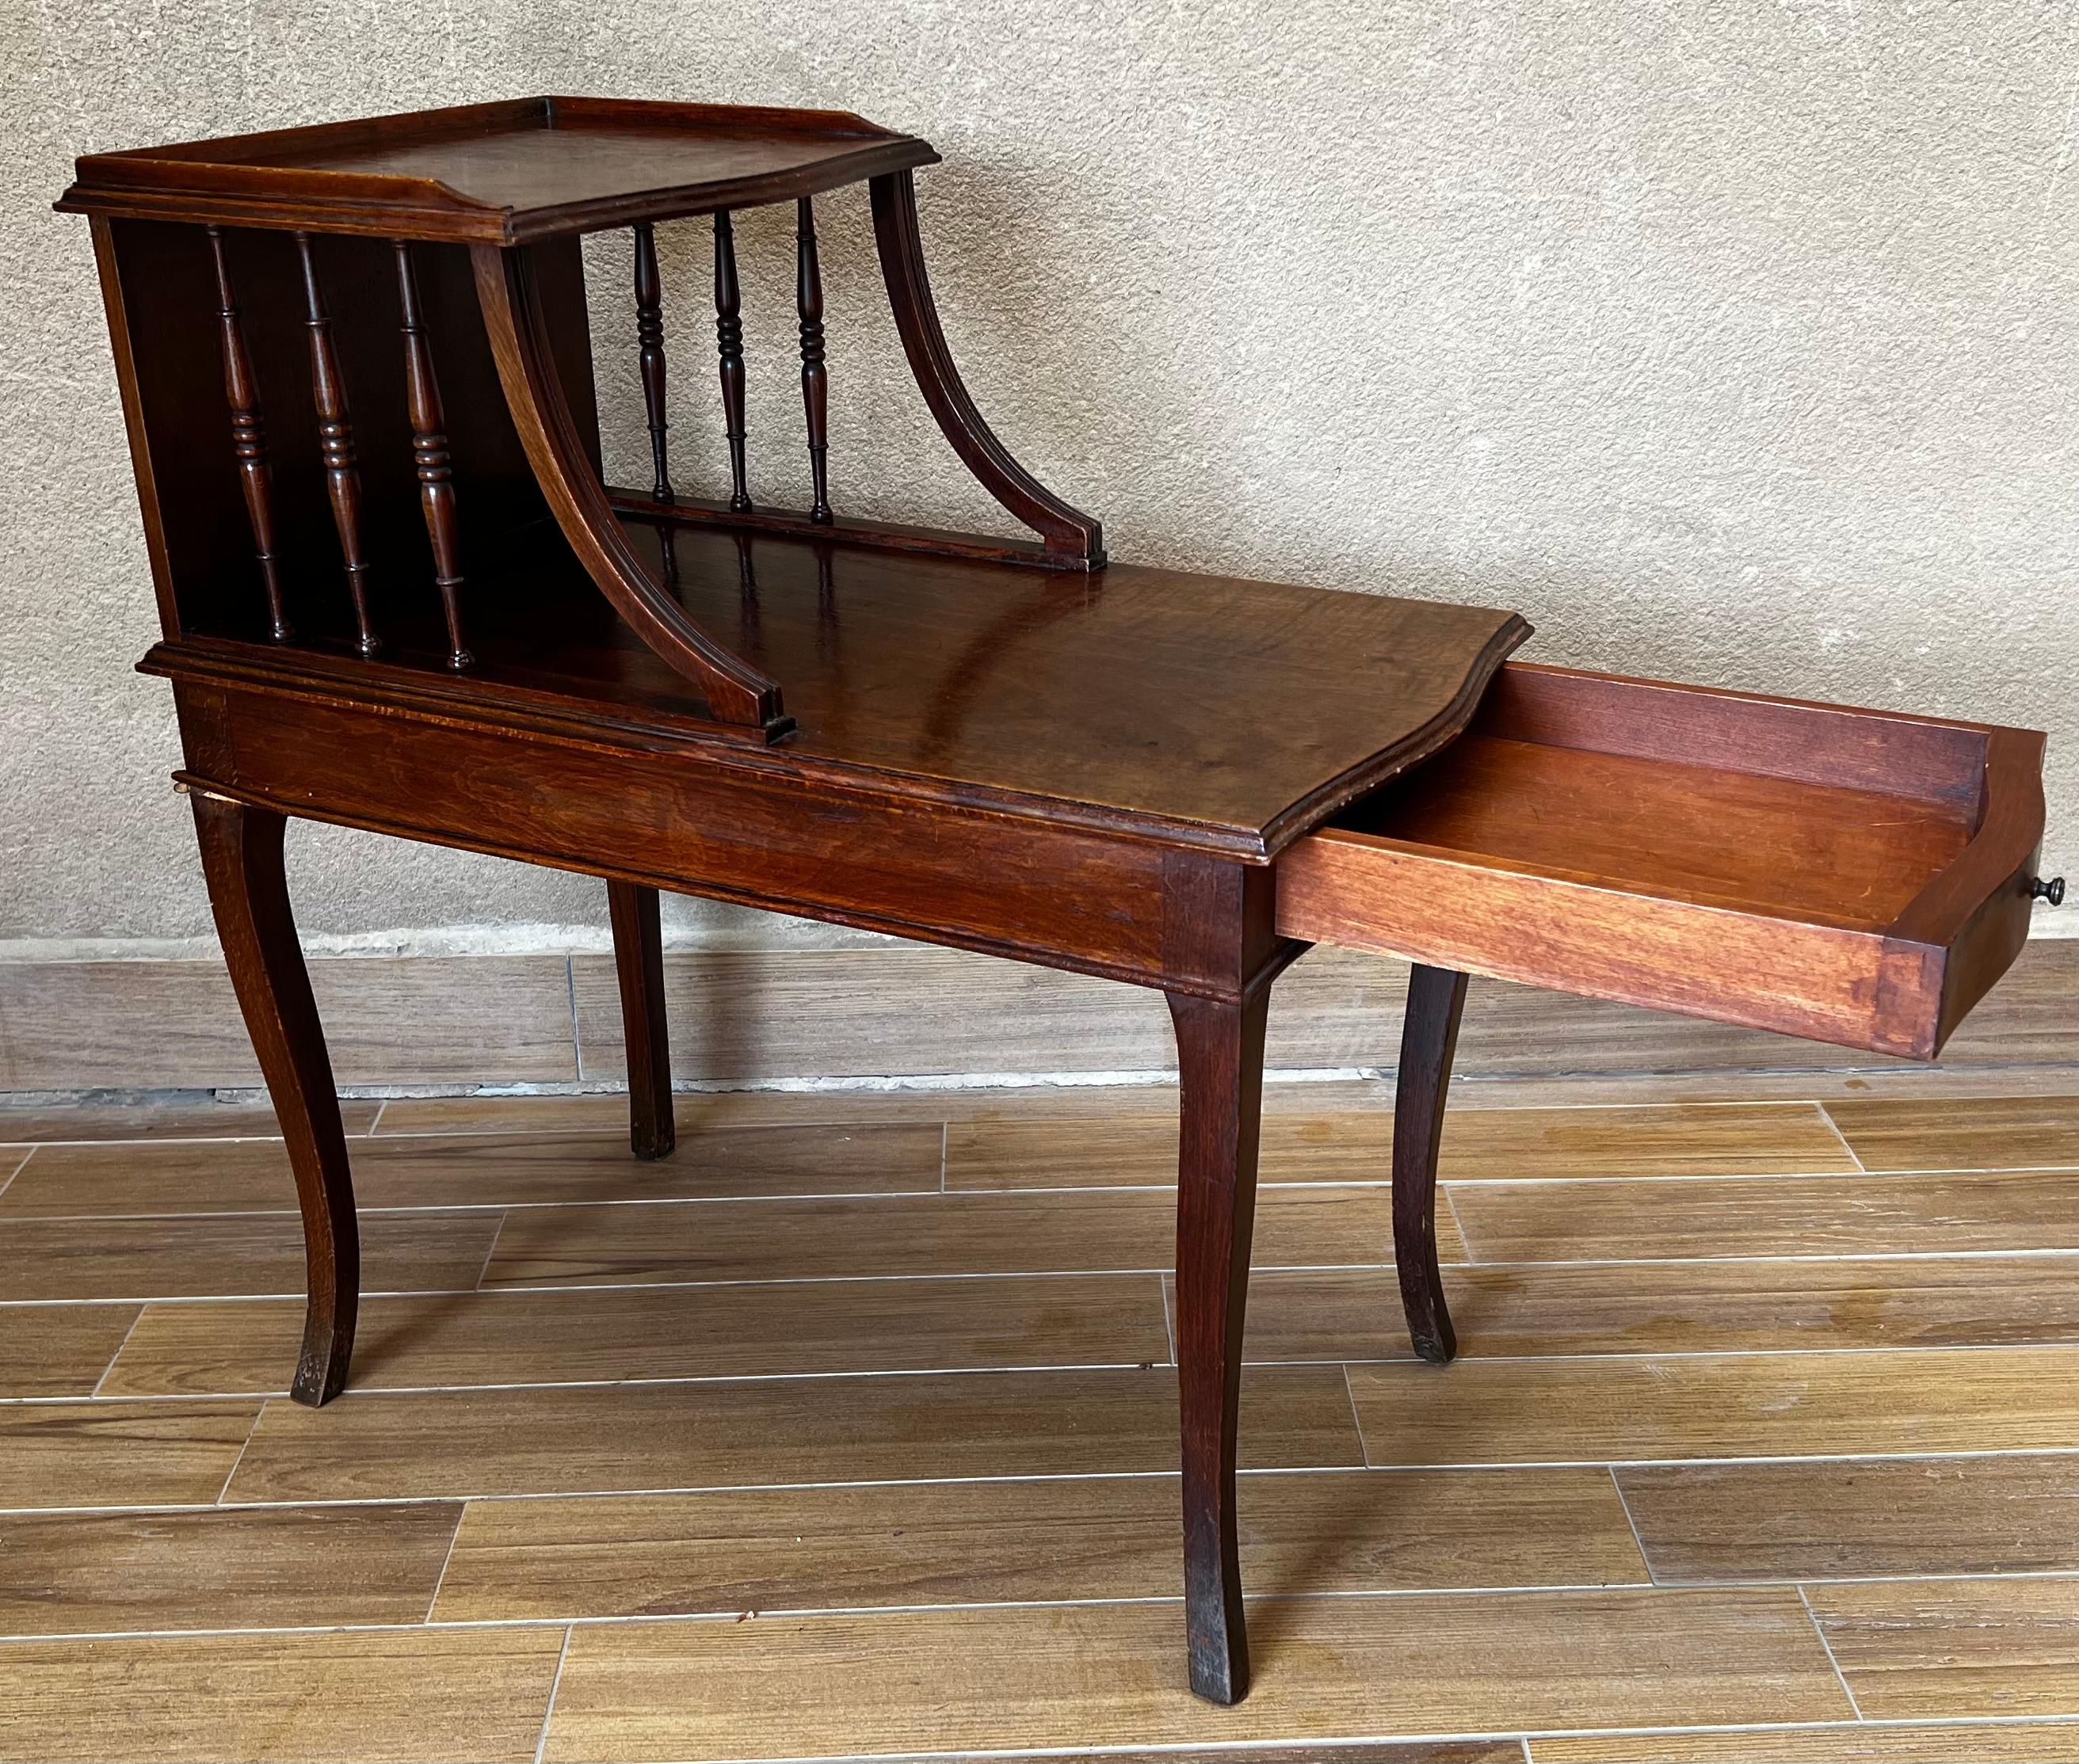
[{"x": 507, "y": 173}]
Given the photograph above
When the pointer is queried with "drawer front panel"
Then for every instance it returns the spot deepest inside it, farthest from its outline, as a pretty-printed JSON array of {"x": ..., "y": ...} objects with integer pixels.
[{"x": 990, "y": 882}]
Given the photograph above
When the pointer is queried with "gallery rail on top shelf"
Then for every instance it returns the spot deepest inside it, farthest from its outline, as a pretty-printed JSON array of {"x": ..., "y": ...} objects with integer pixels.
[{"x": 397, "y": 593}]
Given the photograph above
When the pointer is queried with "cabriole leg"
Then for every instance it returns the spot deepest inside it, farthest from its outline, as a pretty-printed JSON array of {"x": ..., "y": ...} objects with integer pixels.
[
  {"x": 1220, "y": 1052},
  {"x": 638, "y": 959},
  {"x": 1428, "y": 1038},
  {"x": 241, "y": 858}
]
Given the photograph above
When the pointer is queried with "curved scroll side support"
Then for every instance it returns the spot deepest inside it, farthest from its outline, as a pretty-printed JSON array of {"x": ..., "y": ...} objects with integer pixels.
[
  {"x": 1067, "y": 532},
  {"x": 736, "y": 692}
]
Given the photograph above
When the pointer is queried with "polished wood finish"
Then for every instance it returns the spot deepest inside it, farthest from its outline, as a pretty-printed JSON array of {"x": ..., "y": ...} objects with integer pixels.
[
  {"x": 1058, "y": 704},
  {"x": 249, "y": 439},
  {"x": 500, "y": 174},
  {"x": 429, "y": 452},
  {"x": 638, "y": 956},
  {"x": 1220, "y": 1050},
  {"x": 335, "y": 438},
  {"x": 728, "y": 346},
  {"x": 851, "y": 530},
  {"x": 241, "y": 857},
  {"x": 1120, "y": 772},
  {"x": 815, "y": 375},
  {"x": 1428, "y": 1038},
  {"x": 649, "y": 342}
]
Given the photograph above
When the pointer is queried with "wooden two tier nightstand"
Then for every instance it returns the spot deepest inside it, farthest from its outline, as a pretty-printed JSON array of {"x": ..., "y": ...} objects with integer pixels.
[{"x": 397, "y": 593}]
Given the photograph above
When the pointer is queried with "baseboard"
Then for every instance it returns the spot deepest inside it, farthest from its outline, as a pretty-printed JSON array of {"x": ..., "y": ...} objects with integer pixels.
[{"x": 750, "y": 1018}]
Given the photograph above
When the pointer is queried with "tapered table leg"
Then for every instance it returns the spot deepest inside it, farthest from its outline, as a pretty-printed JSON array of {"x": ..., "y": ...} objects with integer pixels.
[
  {"x": 1428, "y": 1038},
  {"x": 1220, "y": 1052},
  {"x": 638, "y": 959},
  {"x": 241, "y": 857}
]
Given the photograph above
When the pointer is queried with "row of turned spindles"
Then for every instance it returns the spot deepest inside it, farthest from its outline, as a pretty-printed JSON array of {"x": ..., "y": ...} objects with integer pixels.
[
  {"x": 429, "y": 441},
  {"x": 430, "y": 447},
  {"x": 729, "y": 347}
]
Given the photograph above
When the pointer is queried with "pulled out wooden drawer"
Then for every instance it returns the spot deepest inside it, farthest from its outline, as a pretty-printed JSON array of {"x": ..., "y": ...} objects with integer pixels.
[{"x": 1850, "y": 875}]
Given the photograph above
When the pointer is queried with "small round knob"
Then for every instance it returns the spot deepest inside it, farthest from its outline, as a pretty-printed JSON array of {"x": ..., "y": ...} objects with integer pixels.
[{"x": 2052, "y": 891}]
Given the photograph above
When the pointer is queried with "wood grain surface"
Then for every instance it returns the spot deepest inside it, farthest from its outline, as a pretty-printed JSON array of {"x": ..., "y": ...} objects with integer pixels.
[{"x": 1646, "y": 1500}]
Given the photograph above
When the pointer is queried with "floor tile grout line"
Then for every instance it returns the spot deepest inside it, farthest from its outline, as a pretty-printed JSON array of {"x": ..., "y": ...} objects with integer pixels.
[
  {"x": 1357, "y": 1421},
  {"x": 287, "y": 1295},
  {"x": 1827, "y": 1114},
  {"x": 728, "y": 1615},
  {"x": 1170, "y": 1321},
  {"x": 1639, "y": 1542},
  {"x": 375, "y": 1121},
  {"x": 490, "y": 1254},
  {"x": 1532, "y": 1591},
  {"x": 1819, "y": 1629},
  {"x": 979, "y": 1197},
  {"x": 1443, "y": 1193},
  {"x": 978, "y": 1479},
  {"x": 244, "y": 1445},
  {"x": 462, "y": 1513},
  {"x": 95, "y": 1393},
  {"x": 1859, "y": 1259},
  {"x": 555, "y": 1684},
  {"x": 1281, "y": 1184},
  {"x": 577, "y": 1038},
  {"x": 1407, "y": 1367},
  {"x": 8, "y": 1181}
]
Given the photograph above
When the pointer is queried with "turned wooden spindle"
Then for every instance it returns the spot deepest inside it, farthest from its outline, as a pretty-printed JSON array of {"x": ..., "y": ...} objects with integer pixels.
[
  {"x": 335, "y": 441},
  {"x": 429, "y": 452},
  {"x": 815, "y": 377},
  {"x": 249, "y": 440},
  {"x": 649, "y": 340},
  {"x": 728, "y": 344}
]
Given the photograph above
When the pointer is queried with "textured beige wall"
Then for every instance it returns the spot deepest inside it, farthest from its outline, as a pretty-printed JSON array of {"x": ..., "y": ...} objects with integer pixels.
[{"x": 1734, "y": 342}]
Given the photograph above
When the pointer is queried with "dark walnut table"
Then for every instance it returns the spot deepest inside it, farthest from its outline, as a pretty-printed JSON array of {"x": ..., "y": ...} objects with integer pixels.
[{"x": 397, "y": 593}]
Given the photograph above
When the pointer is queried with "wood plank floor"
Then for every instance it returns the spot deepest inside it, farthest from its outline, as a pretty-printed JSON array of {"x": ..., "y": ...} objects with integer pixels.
[{"x": 849, "y": 1431}]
